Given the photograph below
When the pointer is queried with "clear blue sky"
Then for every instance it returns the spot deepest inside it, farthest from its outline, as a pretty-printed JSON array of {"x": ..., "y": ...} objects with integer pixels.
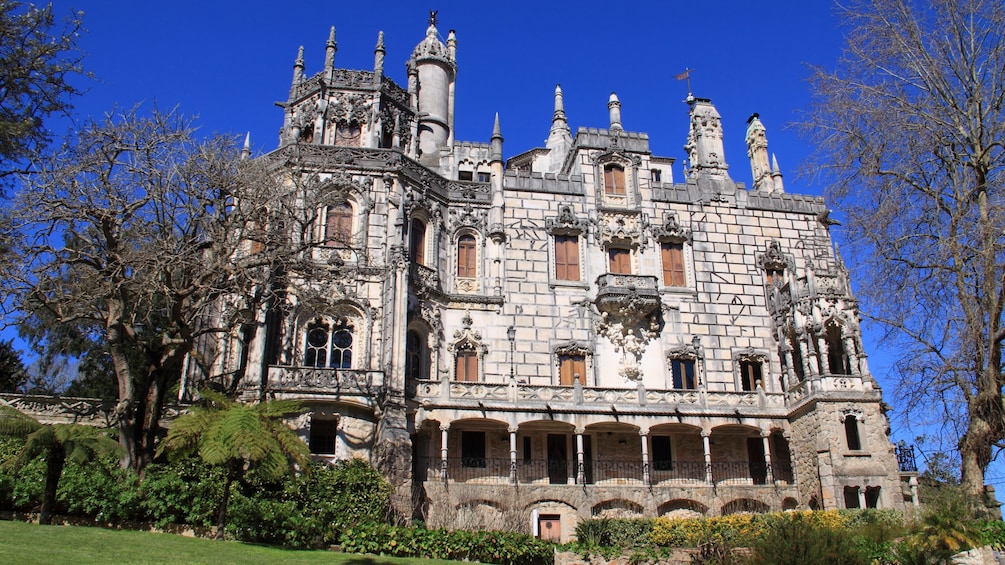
[{"x": 228, "y": 61}]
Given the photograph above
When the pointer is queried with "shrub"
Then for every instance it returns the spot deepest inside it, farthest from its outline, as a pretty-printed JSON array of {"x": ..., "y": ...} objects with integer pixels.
[
  {"x": 183, "y": 492},
  {"x": 797, "y": 540}
]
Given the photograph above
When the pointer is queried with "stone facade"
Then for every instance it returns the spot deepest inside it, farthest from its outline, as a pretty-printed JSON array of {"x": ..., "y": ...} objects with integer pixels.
[{"x": 568, "y": 332}]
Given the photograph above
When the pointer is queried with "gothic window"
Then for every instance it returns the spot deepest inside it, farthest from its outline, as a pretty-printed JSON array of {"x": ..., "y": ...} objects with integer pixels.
[
  {"x": 466, "y": 363},
  {"x": 614, "y": 179},
  {"x": 683, "y": 372},
  {"x": 837, "y": 360},
  {"x": 673, "y": 263},
  {"x": 750, "y": 374},
  {"x": 338, "y": 225},
  {"x": 348, "y": 134},
  {"x": 620, "y": 260},
  {"x": 662, "y": 454},
  {"x": 417, "y": 242},
  {"x": 567, "y": 257},
  {"x": 467, "y": 262},
  {"x": 329, "y": 346},
  {"x": 797, "y": 356},
  {"x": 851, "y": 432},
  {"x": 415, "y": 356},
  {"x": 322, "y": 436},
  {"x": 473, "y": 449},
  {"x": 572, "y": 368}
]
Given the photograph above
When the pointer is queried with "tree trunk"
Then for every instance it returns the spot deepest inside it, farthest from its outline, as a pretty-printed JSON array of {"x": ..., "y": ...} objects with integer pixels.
[
  {"x": 54, "y": 461},
  {"x": 221, "y": 512}
]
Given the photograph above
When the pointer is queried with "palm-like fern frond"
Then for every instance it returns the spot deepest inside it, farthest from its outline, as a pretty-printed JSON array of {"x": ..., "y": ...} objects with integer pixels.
[{"x": 15, "y": 423}]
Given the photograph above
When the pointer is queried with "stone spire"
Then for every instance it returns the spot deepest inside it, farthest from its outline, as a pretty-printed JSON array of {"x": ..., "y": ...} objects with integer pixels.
[
  {"x": 298, "y": 67},
  {"x": 757, "y": 151},
  {"x": 614, "y": 108},
  {"x": 559, "y": 138},
  {"x": 497, "y": 141},
  {"x": 378, "y": 57},
  {"x": 704, "y": 141},
  {"x": 246, "y": 150},
  {"x": 776, "y": 175},
  {"x": 330, "y": 48}
]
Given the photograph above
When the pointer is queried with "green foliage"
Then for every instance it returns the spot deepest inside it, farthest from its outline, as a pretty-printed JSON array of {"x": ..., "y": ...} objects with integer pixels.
[
  {"x": 798, "y": 540},
  {"x": 487, "y": 547},
  {"x": 185, "y": 491},
  {"x": 992, "y": 532},
  {"x": 101, "y": 490},
  {"x": 615, "y": 532},
  {"x": 12, "y": 373},
  {"x": 14, "y": 423}
]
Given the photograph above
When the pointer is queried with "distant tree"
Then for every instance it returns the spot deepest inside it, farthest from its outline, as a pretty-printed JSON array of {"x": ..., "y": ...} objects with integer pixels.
[
  {"x": 157, "y": 247},
  {"x": 12, "y": 373},
  {"x": 910, "y": 128},
  {"x": 56, "y": 444},
  {"x": 240, "y": 438},
  {"x": 38, "y": 60}
]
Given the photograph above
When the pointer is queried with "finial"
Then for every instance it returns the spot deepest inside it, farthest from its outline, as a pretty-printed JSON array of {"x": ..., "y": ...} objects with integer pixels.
[
  {"x": 330, "y": 48},
  {"x": 298, "y": 66},
  {"x": 452, "y": 45},
  {"x": 614, "y": 107},
  {"x": 432, "y": 17},
  {"x": 497, "y": 141},
  {"x": 496, "y": 130},
  {"x": 686, "y": 75},
  {"x": 559, "y": 103},
  {"x": 246, "y": 150},
  {"x": 378, "y": 56},
  {"x": 774, "y": 163}
]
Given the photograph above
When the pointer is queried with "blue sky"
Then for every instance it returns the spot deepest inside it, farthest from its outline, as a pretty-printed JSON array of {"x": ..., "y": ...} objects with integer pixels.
[{"x": 227, "y": 62}]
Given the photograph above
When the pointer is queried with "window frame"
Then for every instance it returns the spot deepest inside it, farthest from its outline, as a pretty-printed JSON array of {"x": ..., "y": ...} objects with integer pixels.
[
  {"x": 612, "y": 173},
  {"x": 466, "y": 364},
  {"x": 672, "y": 275},
  {"x": 467, "y": 256},
  {"x": 619, "y": 260},
  {"x": 317, "y": 356},
  {"x": 567, "y": 257},
  {"x": 330, "y": 439},
  {"x": 750, "y": 378},
  {"x": 338, "y": 227},
  {"x": 678, "y": 373},
  {"x": 567, "y": 365},
  {"x": 417, "y": 241}
]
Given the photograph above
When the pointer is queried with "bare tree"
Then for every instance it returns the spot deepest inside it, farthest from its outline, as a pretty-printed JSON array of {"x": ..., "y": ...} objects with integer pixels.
[
  {"x": 911, "y": 126},
  {"x": 38, "y": 58},
  {"x": 151, "y": 240}
]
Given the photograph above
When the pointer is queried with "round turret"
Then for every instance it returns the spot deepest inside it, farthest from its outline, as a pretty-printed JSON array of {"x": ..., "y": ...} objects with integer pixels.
[{"x": 434, "y": 69}]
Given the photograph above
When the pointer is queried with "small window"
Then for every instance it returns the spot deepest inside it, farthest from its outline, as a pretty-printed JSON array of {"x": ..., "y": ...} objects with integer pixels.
[
  {"x": 775, "y": 277},
  {"x": 484, "y": 177},
  {"x": 851, "y": 432},
  {"x": 527, "y": 451},
  {"x": 329, "y": 346},
  {"x": 662, "y": 455},
  {"x": 417, "y": 242},
  {"x": 473, "y": 449},
  {"x": 657, "y": 175},
  {"x": 683, "y": 374},
  {"x": 567, "y": 257},
  {"x": 348, "y": 134},
  {"x": 620, "y": 260},
  {"x": 338, "y": 225},
  {"x": 323, "y": 435},
  {"x": 750, "y": 374},
  {"x": 851, "y": 497},
  {"x": 614, "y": 179},
  {"x": 466, "y": 366},
  {"x": 466, "y": 256},
  {"x": 465, "y": 175},
  {"x": 572, "y": 368},
  {"x": 673, "y": 264},
  {"x": 414, "y": 358},
  {"x": 837, "y": 361},
  {"x": 872, "y": 497}
]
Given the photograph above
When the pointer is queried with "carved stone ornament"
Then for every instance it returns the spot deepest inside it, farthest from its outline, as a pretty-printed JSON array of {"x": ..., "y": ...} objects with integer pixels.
[
  {"x": 751, "y": 354},
  {"x": 620, "y": 228},
  {"x": 572, "y": 348},
  {"x": 349, "y": 108},
  {"x": 566, "y": 223},
  {"x": 467, "y": 338},
  {"x": 692, "y": 351},
  {"x": 671, "y": 230},
  {"x": 852, "y": 411},
  {"x": 627, "y": 334},
  {"x": 773, "y": 258},
  {"x": 467, "y": 217}
]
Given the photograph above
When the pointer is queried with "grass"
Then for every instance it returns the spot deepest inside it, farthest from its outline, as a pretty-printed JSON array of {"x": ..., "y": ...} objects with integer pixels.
[{"x": 30, "y": 543}]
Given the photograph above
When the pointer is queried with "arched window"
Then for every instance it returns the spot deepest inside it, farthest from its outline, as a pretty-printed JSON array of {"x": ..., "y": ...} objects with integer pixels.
[
  {"x": 417, "y": 242},
  {"x": 348, "y": 134},
  {"x": 338, "y": 225},
  {"x": 415, "y": 364},
  {"x": 851, "y": 432},
  {"x": 467, "y": 263},
  {"x": 329, "y": 346},
  {"x": 837, "y": 360},
  {"x": 614, "y": 179}
]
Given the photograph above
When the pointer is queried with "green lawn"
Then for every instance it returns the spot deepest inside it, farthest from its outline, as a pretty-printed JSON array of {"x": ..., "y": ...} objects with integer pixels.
[{"x": 29, "y": 543}]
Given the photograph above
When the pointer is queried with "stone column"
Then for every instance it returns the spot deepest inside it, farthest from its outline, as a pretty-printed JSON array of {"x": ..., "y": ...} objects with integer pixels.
[
  {"x": 580, "y": 464},
  {"x": 444, "y": 429},
  {"x": 765, "y": 437},
  {"x": 645, "y": 456},
  {"x": 512, "y": 454},
  {"x": 914, "y": 491},
  {"x": 707, "y": 446},
  {"x": 861, "y": 497},
  {"x": 824, "y": 348},
  {"x": 849, "y": 349}
]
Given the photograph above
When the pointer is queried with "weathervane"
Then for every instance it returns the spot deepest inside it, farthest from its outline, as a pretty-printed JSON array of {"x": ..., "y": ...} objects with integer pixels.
[
  {"x": 432, "y": 17},
  {"x": 686, "y": 75}
]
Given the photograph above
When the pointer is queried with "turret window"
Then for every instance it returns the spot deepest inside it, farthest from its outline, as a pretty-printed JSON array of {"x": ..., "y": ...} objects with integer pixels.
[
  {"x": 614, "y": 179},
  {"x": 854, "y": 440}
]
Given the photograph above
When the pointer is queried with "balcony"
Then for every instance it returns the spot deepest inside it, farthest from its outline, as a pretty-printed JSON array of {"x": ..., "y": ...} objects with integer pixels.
[
  {"x": 344, "y": 384},
  {"x": 490, "y": 471},
  {"x": 630, "y": 297}
]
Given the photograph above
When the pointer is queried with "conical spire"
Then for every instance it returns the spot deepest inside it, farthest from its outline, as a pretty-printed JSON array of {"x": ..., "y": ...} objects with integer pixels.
[
  {"x": 497, "y": 141},
  {"x": 559, "y": 138},
  {"x": 378, "y": 56},
  {"x": 614, "y": 107},
  {"x": 298, "y": 67},
  {"x": 559, "y": 119},
  {"x": 330, "y": 48},
  {"x": 776, "y": 174},
  {"x": 246, "y": 150}
]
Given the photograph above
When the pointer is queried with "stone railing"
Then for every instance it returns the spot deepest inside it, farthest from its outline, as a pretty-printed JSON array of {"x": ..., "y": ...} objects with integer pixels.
[
  {"x": 338, "y": 382},
  {"x": 578, "y": 395},
  {"x": 61, "y": 409}
]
